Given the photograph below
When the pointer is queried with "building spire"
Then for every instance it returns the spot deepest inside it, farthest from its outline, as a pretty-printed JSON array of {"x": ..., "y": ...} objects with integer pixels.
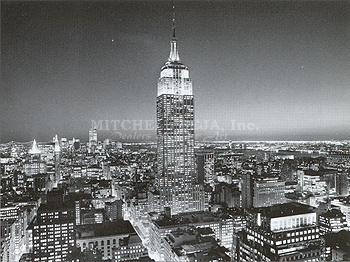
[
  {"x": 174, "y": 35},
  {"x": 57, "y": 145},
  {"x": 34, "y": 149},
  {"x": 174, "y": 53}
]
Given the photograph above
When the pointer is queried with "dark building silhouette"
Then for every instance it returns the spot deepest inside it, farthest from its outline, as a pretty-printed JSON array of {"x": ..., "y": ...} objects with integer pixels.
[{"x": 247, "y": 190}]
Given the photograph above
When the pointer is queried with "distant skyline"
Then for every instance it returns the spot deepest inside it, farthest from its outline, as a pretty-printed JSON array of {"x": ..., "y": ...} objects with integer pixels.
[{"x": 280, "y": 67}]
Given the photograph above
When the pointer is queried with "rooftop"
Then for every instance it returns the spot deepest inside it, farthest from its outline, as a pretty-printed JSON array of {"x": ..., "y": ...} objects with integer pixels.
[
  {"x": 334, "y": 213},
  {"x": 132, "y": 239},
  {"x": 120, "y": 227},
  {"x": 56, "y": 206},
  {"x": 187, "y": 218},
  {"x": 196, "y": 247},
  {"x": 287, "y": 209},
  {"x": 340, "y": 240},
  {"x": 312, "y": 173}
]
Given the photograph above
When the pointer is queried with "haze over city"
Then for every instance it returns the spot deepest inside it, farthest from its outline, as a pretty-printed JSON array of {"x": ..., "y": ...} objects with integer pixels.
[{"x": 281, "y": 66}]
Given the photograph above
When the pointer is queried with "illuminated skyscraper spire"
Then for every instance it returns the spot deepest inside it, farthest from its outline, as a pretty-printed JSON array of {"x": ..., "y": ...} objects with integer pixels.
[
  {"x": 34, "y": 149},
  {"x": 57, "y": 144},
  {"x": 57, "y": 150},
  {"x": 174, "y": 53}
]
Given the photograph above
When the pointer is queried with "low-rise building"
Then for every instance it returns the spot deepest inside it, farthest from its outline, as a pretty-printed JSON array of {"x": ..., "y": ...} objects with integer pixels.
[
  {"x": 130, "y": 248},
  {"x": 222, "y": 226},
  {"x": 104, "y": 236},
  {"x": 193, "y": 244}
]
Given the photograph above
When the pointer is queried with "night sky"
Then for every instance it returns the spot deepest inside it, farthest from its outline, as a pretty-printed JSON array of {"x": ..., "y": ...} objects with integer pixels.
[{"x": 281, "y": 67}]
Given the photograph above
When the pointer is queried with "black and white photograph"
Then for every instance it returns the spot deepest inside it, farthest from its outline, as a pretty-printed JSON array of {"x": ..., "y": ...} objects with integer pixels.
[{"x": 175, "y": 130}]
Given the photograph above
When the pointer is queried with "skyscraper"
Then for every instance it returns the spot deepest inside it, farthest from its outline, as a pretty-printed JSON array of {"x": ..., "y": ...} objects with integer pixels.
[
  {"x": 176, "y": 178},
  {"x": 92, "y": 139},
  {"x": 247, "y": 190},
  {"x": 34, "y": 164},
  {"x": 57, "y": 151},
  {"x": 342, "y": 183}
]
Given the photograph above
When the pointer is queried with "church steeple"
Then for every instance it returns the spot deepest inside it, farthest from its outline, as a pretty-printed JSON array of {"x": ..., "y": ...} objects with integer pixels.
[{"x": 174, "y": 53}]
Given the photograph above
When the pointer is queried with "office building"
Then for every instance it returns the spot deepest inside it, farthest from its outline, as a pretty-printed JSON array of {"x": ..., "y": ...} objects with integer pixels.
[
  {"x": 34, "y": 165},
  {"x": 268, "y": 192},
  {"x": 247, "y": 187},
  {"x": 54, "y": 229},
  {"x": 92, "y": 139},
  {"x": 342, "y": 183},
  {"x": 332, "y": 221},
  {"x": 176, "y": 174},
  {"x": 285, "y": 232},
  {"x": 114, "y": 210}
]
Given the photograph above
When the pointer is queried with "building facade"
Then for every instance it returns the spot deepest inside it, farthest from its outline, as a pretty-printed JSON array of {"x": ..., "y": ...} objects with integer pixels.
[
  {"x": 54, "y": 232},
  {"x": 285, "y": 232},
  {"x": 130, "y": 248},
  {"x": 268, "y": 192},
  {"x": 332, "y": 221},
  {"x": 103, "y": 237},
  {"x": 57, "y": 150},
  {"x": 247, "y": 187}
]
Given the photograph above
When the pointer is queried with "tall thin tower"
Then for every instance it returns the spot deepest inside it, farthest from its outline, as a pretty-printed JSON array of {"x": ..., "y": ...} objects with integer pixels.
[
  {"x": 176, "y": 178},
  {"x": 57, "y": 150},
  {"x": 92, "y": 140}
]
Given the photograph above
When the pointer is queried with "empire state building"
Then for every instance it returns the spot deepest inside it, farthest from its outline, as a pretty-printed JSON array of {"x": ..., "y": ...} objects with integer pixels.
[{"x": 176, "y": 177}]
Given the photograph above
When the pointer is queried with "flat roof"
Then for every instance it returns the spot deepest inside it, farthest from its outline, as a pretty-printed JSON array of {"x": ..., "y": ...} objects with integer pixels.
[
  {"x": 119, "y": 227},
  {"x": 334, "y": 213},
  {"x": 57, "y": 206},
  {"x": 286, "y": 209},
  {"x": 188, "y": 218}
]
